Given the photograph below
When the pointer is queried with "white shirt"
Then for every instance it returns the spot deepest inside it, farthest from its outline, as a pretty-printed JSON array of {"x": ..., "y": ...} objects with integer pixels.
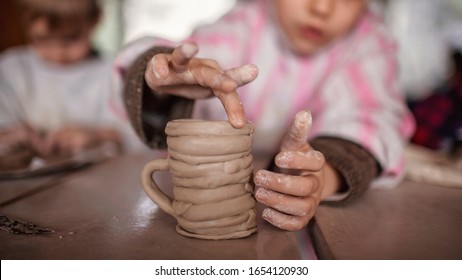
[{"x": 48, "y": 96}]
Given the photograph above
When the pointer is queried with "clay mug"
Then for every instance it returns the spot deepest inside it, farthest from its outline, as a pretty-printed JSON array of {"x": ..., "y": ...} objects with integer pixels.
[{"x": 211, "y": 167}]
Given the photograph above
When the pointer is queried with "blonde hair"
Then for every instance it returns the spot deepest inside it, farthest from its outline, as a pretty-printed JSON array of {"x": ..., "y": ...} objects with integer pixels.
[{"x": 63, "y": 16}]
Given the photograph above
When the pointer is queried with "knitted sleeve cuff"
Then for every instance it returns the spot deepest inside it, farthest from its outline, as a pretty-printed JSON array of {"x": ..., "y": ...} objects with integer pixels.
[
  {"x": 149, "y": 111},
  {"x": 357, "y": 166}
]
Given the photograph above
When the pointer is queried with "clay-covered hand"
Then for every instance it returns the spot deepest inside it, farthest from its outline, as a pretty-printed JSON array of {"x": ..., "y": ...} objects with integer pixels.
[
  {"x": 17, "y": 137},
  {"x": 294, "y": 194},
  {"x": 182, "y": 74},
  {"x": 68, "y": 141}
]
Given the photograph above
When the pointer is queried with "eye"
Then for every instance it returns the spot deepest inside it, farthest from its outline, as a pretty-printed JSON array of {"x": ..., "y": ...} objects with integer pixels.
[{"x": 39, "y": 39}]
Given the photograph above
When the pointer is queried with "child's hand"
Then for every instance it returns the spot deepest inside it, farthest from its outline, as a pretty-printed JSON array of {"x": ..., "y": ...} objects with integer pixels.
[
  {"x": 293, "y": 199},
  {"x": 182, "y": 74},
  {"x": 17, "y": 136},
  {"x": 67, "y": 141}
]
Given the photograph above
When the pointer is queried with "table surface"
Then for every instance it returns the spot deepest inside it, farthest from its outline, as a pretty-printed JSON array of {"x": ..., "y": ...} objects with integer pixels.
[
  {"x": 102, "y": 212},
  {"x": 411, "y": 221}
]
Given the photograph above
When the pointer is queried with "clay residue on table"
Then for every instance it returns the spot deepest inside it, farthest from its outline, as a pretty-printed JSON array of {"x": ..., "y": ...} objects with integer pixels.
[{"x": 21, "y": 227}]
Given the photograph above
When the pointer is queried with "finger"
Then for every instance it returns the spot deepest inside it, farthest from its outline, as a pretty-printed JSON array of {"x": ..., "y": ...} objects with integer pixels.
[
  {"x": 210, "y": 77},
  {"x": 233, "y": 108},
  {"x": 282, "y": 183},
  {"x": 159, "y": 67},
  {"x": 68, "y": 142},
  {"x": 37, "y": 143},
  {"x": 310, "y": 161},
  {"x": 244, "y": 74},
  {"x": 284, "y": 221},
  {"x": 49, "y": 144},
  {"x": 297, "y": 139},
  {"x": 212, "y": 63},
  {"x": 292, "y": 205},
  {"x": 187, "y": 91},
  {"x": 182, "y": 55}
]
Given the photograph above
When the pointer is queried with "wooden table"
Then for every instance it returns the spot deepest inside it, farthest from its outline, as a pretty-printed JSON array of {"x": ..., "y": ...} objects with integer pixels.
[
  {"x": 412, "y": 221},
  {"x": 101, "y": 212}
]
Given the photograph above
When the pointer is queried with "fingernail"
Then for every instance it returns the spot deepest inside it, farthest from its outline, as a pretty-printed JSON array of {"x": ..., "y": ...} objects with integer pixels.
[
  {"x": 317, "y": 155},
  {"x": 157, "y": 72},
  {"x": 261, "y": 193},
  {"x": 304, "y": 117},
  {"x": 267, "y": 214},
  {"x": 189, "y": 50},
  {"x": 261, "y": 179},
  {"x": 236, "y": 121},
  {"x": 283, "y": 159},
  {"x": 248, "y": 72}
]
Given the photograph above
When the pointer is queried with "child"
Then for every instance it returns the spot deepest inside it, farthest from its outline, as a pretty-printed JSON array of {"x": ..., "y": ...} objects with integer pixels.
[
  {"x": 54, "y": 93},
  {"x": 333, "y": 57}
]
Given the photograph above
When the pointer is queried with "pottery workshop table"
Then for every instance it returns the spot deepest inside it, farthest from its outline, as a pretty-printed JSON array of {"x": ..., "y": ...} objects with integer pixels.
[
  {"x": 102, "y": 212},
  {"x": 412, "y": 221}
]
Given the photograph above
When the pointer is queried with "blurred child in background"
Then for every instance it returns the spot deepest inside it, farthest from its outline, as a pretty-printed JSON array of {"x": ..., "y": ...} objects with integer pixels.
[
  {"x": 332, "y": 57},
  {"x": 54, "y": 92}
]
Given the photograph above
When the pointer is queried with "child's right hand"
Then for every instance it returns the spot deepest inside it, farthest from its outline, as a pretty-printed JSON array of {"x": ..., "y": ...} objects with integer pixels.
[
  {"x": 182, "y": 74},
  {"x": 17, "y": 136},
  {"x": 64, "y": 142}
]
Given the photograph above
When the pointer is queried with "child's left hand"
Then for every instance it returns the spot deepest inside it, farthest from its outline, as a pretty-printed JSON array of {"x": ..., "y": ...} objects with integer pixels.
[
  {"x": 67, "y": 141},
  {"x": 293, "y": 198}
]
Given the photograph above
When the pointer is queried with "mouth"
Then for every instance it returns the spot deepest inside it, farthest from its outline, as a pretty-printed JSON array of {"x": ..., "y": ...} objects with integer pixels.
[{"x": 312, "y": 33}]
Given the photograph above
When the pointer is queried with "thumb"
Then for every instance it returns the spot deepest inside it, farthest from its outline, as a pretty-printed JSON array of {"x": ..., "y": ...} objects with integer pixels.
[{"x": 297, "y": 139}]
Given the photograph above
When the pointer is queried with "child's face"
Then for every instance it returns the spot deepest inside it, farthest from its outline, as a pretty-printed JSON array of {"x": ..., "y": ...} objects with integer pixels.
[
  {"x": 58, "y": 48},
  {"x": 310, "y": 25}
]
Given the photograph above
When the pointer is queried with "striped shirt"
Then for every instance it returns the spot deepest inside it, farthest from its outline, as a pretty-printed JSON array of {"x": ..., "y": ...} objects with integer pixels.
[{"x": 350, "y": 87}]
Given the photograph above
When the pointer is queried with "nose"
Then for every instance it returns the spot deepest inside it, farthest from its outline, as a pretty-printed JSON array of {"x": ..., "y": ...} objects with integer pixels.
[{"x": 322, "y": 8}]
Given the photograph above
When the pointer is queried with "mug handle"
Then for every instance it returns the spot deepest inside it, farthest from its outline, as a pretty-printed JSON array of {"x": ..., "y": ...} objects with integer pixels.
[{"x": 151, "y": 188}]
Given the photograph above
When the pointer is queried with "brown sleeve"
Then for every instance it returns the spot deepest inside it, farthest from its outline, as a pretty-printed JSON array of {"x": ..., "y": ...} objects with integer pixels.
[
  {"x": 148, "y": 111},
  {"x": 357, "y": 166}
]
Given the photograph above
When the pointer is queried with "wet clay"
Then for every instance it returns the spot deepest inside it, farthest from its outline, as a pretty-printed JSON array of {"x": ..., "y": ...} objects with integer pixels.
[{"x": 211, "y": 167}]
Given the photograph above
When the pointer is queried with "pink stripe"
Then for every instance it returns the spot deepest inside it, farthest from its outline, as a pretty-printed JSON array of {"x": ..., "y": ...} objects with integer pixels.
[
  {"x": 407, "y": 124},
  {"x": 257, "y": 109},
  {"x": 396, "y": 169},
  {"x": 386, "y": 46},
  {"x": 257, "y": 31},
  {"x": 303, "y": 89},
  {"x": 365, "y": 24},
  {"x": 251, "y": 50},
  {"x": 317, "y": 105},
  {"x": 365, "y": 97}
]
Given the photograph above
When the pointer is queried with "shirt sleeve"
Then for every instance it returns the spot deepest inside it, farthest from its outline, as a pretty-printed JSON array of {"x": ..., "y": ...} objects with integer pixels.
[
  {"x": 148, "y": 111},
  {"x": 354, "y": 163}
]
